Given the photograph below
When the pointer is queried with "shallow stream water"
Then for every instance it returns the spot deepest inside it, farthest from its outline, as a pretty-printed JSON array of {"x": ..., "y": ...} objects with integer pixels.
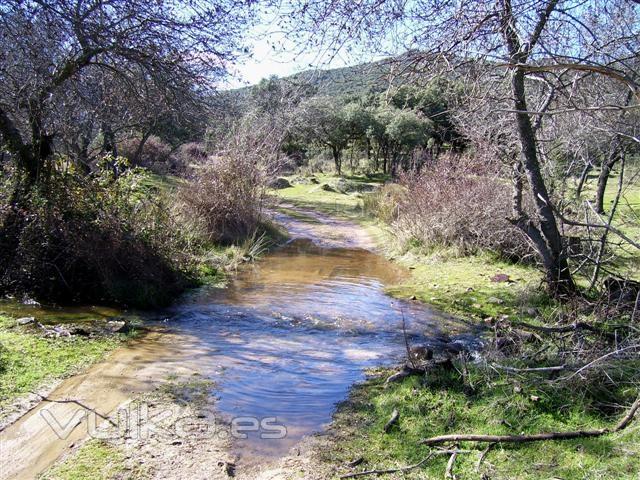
[
  {"x": 292, "y": 332},
  {"x": 282, "y": 343}
]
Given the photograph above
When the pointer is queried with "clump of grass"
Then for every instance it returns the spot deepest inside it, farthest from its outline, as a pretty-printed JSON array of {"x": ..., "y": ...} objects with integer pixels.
[
  {"x": 442, "y": 402},
  {"x": 96, "y": 460},
  {"x": 28, "y": 360}
]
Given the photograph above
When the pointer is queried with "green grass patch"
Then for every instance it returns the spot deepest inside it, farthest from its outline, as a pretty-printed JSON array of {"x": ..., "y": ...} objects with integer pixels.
[
  {"x": 312, "y": 195},
  {"x": 443, "y": 403},
  {"x": 27, "y": 360},
  {"x": 95, "y": 460},
  {"x": 468, "y": 285}
]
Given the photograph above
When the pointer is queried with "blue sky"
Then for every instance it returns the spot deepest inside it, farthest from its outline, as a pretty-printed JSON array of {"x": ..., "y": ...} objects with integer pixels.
[{"x": 272, "y": 53}]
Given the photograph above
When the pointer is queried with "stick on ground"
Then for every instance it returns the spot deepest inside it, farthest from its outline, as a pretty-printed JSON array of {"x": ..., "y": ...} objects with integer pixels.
[{"x": 626, "y": 420}]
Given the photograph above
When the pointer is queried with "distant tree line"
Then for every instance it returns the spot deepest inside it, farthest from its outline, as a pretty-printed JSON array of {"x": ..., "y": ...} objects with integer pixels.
[{"x": 394, "y": 130}]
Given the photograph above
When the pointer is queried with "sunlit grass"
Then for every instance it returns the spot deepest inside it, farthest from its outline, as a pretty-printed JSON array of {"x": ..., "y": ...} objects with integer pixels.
[
  {"x": 441, "y": 403},
  {"x": 95, "y": 460},
  {"x": 27, "y": 360}
]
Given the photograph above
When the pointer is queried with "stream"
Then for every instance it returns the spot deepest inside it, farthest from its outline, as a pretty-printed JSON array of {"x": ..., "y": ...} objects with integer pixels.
[
  {"x": 282, "y": 343},
  {"x": 292, "y": 332}
]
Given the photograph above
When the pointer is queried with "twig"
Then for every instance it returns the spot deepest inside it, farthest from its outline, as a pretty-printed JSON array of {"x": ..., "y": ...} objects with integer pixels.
[
  {"x": 402, "y": 469},
  {"x": 483, "y": 455},
  {"x": 533, "y": 369},
  {"x": 536, "y": 437},
  {"x": 599, "y": 359},
  {"x": 406, "y": 340},
  {"x": 80, "y": 404},
  {"x": 448, "y": 473}
]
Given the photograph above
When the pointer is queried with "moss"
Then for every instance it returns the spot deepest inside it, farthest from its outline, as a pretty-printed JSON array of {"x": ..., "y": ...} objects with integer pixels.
[{"x": 27, "y": 360}]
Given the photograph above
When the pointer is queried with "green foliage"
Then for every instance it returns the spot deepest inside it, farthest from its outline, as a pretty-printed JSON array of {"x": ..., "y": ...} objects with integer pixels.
[{"x": 106, "y": 238}]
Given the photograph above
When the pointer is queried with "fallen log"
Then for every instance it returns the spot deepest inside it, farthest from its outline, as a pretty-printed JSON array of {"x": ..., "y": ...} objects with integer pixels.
[{"x": 538, "y": 437}]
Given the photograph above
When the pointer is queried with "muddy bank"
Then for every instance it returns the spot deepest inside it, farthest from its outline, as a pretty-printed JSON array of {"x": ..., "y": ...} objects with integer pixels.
[{"x": 37, "y": 439}]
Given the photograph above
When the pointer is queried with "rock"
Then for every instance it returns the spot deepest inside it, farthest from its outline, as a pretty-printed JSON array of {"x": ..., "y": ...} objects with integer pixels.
[
  {"x": 279, "y": 183},
  {"x": 25, "y": 320},
  {"x": 501, "y": 278},
  {"x": 495, "y": 300},
  {"x": 327, "y": 188},
  {"x": 301, "y": 180},
  {"x": 421, "y": 353},
  {"x": 117, "y": 326},
  {"x": 413, "y": 297}
]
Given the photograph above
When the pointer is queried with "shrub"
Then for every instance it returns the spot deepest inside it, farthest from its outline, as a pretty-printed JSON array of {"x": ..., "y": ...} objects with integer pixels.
[
  {"x": 93, "y": 239},
  {"x": 451, "y": 204},
  {"x": 225, "y": 199},
  {"x": 155, "y": 155},
  {"x": 384, "y": 203},
  {"x": 189, "y": 155}
]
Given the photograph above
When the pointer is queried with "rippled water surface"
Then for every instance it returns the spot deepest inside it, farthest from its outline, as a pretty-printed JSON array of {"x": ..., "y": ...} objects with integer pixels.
[{"x": 292, "y": 332}]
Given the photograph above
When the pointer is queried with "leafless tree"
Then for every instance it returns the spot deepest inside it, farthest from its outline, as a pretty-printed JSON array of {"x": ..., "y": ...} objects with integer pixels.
[
  {"x": 546, "y": 46},
  {"x": 57, "y": 48}
]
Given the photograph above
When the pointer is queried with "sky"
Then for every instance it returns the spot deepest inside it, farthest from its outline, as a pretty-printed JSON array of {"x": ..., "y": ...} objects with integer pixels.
[{"x": 273, "y": 53}]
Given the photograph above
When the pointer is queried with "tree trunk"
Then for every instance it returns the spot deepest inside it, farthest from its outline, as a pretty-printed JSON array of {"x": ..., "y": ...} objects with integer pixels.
[
  {"x": 558, "y": 275},
  {"x": 136, "y": 157},
  {"x": 337, "y": 160},
  {"x": 583, "y": 179},
  {"x": 615, "y": 153}
]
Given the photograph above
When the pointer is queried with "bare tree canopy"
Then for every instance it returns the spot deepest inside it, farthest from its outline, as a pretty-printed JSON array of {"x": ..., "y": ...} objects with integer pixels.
[
  {"x": 53, "y": 51},
  {"x": 560, "y": 44}
]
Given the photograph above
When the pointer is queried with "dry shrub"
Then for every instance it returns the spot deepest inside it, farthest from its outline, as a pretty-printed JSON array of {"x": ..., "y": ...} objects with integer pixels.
[
  {"x": 456, "y": 203},
  {"x": 93, "y": 239},
  {"x": 156, "y": 155},
  {"x": 384, "y": 202},
  {"x": 226, "y": 198},
  {"x": 190, "y": 155}
]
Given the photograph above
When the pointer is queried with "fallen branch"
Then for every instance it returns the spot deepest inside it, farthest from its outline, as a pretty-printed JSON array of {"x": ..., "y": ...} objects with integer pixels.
[
  {"x": 448, "y": 473},
  {"x": 599, "y": 359},
  {"x": 77, "y": 402},
  {"x": 406, "y": 371},
  {"x": 533, "y": 369},
  {"x": 538, "y": 436},
  {"x": 395, "y": 416},
  {"x": 565, "y": 328},
  {"x": 483, "y": 455},
  {"x": 403, "y": 469}
]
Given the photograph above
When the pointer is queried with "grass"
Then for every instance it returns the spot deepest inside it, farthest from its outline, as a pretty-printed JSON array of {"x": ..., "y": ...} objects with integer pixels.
[
  {"x": 627, "y": 218},
  {"x": 96, "y": 460},
  {"x": 313, "y": 196},
  {"x": 443, "y": 403},
  {"x": 28, "y": 360},
  {"x": 465, "y": 285}
]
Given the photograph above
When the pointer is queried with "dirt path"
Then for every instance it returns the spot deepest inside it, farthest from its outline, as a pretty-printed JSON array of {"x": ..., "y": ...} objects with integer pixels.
[
  {"x": 322, "y": 229},
  {"x": 31, "y": 444}
]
